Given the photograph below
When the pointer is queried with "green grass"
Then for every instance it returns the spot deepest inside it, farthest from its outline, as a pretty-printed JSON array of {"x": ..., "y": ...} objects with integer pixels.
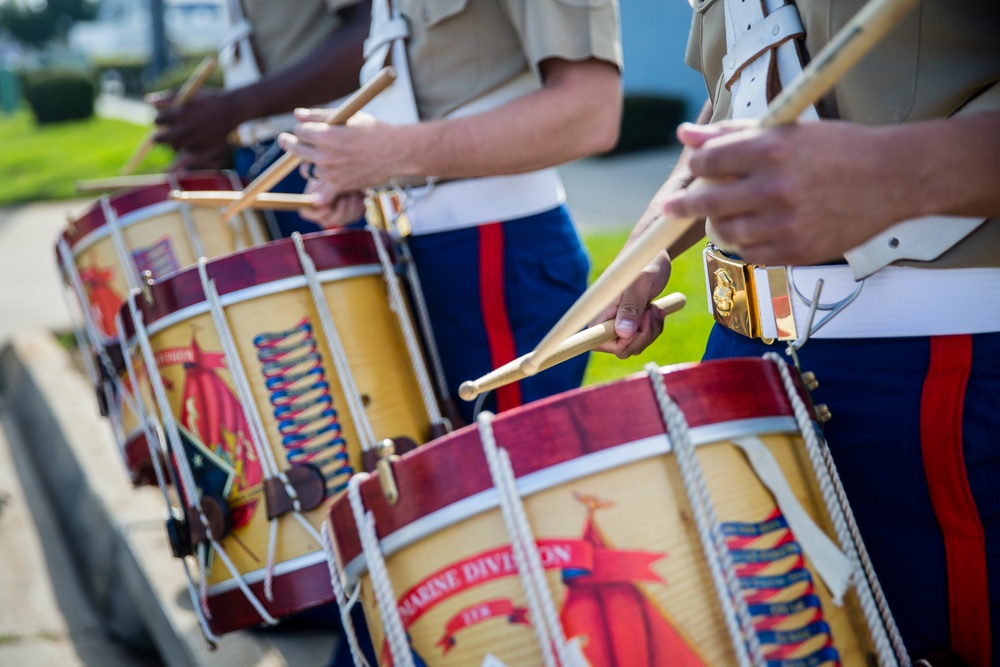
[
  {"x": 44, "y": 162},
  {"x": 684, "y": 332}
]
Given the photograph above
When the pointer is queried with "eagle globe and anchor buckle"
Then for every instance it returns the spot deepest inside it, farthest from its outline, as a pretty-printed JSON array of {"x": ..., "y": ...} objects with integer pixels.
[{"x": 734, "y": 294}]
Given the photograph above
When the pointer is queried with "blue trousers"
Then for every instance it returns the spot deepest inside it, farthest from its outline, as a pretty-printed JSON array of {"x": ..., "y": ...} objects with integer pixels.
[
  {"x": 918, "y": 451},
  {"x": 494, "y": 291}
]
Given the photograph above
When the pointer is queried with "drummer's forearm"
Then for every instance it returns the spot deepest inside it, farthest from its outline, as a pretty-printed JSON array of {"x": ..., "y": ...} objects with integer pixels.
[
  {"x": 576, "y": 113},
  {"x": 328, "y": 72}
]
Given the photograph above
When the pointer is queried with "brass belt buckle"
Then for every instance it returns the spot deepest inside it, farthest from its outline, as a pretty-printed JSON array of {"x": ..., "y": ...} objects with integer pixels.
[
  {"x": 734, "y": 299},
  {"x": 384, "y": 210}
]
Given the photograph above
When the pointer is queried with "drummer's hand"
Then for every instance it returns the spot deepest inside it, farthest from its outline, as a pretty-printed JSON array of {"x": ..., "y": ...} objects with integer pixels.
[
  {"x": 800, "y": 194},
  {"x": 637, "y": 321},
  {"x": 360, "y": 155},
  {"x": 331, "y": 210},
  {"x": 204, "y": 122},
  {"x": 217, "y": 157}
]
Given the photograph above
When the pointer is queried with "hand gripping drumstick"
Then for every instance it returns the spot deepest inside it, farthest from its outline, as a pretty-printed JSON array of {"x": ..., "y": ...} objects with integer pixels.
[
  {"x": 197, "y": 79},
  {"x": 275, "y": 201},
  {"x": 846, "y": 48},
  {"x": 287, "y": 163},
  {"x": 578, "y": 343}
]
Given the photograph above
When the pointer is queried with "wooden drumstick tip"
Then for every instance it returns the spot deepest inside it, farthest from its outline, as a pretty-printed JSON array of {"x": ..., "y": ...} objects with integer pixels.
[{"x": 468, "y": 390}]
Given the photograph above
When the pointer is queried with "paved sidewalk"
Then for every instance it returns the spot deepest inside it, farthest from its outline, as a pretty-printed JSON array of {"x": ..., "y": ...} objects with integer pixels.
[
  {"x": 46, "y": 619},
  {"x": 30, "y": 287}
]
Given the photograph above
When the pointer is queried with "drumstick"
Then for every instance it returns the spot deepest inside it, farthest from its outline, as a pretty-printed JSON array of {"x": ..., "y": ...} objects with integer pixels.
[
  {"x": 848, "y": 46},
  {"x": 118, "y": 182},
  {"x": 578, "y": 343},
  {"x": 198, "y": 77},
  {"x": 276, "y": 201},
  {"x": 287, "y": 163}
]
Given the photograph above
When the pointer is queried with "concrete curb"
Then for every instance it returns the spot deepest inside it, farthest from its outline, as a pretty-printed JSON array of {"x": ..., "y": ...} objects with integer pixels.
[{"x": 116, "y": 532}]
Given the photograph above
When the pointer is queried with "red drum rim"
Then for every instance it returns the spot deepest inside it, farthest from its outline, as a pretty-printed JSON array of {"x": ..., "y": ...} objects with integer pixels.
[
  {"x": 558, "y": 429},
  {"x": 295, "y": 590},
  {"x": 132, "y": 199},
  {"x": 250, "y": 267}
]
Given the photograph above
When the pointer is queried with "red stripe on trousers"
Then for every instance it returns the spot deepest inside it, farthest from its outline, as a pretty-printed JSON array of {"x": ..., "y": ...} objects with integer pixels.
[
  {"x": 499, "y": 333},
  {"x": 944, "y": 465}
]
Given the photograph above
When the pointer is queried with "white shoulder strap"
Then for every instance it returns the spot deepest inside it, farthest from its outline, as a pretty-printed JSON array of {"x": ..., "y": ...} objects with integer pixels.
[
  {"x": 760, "y": 37},
  {"x": 236, "y": 56},
  {"x": 387, "y": 39}
]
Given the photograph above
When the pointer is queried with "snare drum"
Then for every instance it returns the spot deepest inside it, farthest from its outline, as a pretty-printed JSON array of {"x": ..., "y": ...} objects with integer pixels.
[
  {"x": 611, "y": 541},
  {"x": 109, "y": 248},
  {"x": 273, "y": 370}
]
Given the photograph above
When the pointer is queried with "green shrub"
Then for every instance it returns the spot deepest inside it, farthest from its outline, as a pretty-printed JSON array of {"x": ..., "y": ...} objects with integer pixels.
[
  {"x": 175, "y": 76},
  {"x": 57, "y": 96},
  {"x": 649, "y": 121}
]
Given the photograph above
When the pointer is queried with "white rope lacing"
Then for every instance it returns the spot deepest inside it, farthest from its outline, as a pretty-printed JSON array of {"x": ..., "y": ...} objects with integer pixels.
[
  {"x": 193, "y": 493},
  {"x": 398, "y": 306},
  {"x": 871, "y": 598},
  {"x": 737, "y": 617},
  {"x": 544, "y": 618},
  {"x": 392, "y": 621},
  {"x": 194, "y": 237},
  {"x": 344, "y": 604},
  {"x": 348, "y": 385}
]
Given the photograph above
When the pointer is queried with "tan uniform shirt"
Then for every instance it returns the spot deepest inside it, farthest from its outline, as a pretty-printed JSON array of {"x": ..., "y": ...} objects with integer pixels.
[
  {"x": 937, "y": 59},
  {"x": 461, "y": 49},
  {"x": 286, "y": 32}
]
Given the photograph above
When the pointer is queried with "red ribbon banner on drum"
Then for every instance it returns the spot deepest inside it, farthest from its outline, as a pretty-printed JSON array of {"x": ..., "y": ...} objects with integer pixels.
[{"x": 477, "y": 613}]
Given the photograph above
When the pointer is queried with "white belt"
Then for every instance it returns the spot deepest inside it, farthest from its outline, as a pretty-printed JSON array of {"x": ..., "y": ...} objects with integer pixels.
[
  {"x": 476, "y": 201},
  {"x": 895, "y": 302}
]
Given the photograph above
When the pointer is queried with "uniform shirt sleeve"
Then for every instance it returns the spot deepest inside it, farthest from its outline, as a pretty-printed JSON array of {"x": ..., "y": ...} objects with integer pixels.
[{"x": 570, "y": 29}]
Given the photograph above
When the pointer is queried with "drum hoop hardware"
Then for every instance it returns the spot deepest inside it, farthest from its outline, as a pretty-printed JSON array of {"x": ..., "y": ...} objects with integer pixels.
[
  {"x": 386, "y": 450},
  {"x": 146, "y": 287}
]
